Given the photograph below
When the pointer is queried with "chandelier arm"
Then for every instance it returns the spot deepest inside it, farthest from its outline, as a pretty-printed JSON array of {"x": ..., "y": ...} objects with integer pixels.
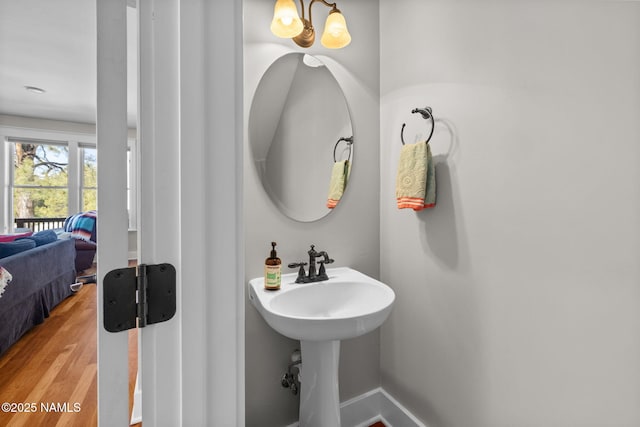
[
  {"x": 331, "y": 5},
  {"x": 302, "y": 7}
]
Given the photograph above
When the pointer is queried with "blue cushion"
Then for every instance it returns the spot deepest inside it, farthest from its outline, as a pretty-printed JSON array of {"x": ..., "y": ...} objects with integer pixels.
[
  {"x": 42, "y": 237},
  {"x": 15, "y": 247}
]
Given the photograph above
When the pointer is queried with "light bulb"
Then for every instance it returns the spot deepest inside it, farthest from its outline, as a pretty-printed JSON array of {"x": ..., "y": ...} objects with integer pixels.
[
  {"x": 335, "y": 35},
  {"x": 286, "y": 23}
]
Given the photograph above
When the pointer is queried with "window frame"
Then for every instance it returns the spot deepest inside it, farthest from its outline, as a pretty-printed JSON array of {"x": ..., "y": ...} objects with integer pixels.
[
  {"x": 12, "y": 141},
  {"x": 81, "y": 162},
  {"x": 76, "y": 142}
]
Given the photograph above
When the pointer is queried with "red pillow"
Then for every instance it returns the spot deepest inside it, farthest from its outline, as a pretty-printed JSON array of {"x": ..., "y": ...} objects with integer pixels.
[{"x": 12, "y": 237}]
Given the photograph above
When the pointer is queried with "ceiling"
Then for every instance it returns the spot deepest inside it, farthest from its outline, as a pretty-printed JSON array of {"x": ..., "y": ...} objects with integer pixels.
[{"x": 52, "y": 45}]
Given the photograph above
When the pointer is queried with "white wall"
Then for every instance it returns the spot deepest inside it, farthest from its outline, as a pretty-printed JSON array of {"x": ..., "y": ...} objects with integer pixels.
[
  {"x": 518, "y": 296},
  {"x": 350, "y": 234}
]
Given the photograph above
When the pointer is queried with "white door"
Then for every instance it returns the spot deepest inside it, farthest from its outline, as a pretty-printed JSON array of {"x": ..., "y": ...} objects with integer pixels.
[
  {"x": 158, "y": 195},
  {"x": 113, "y": 402},
  {"x": 190, "y": 165},
  {"x": 159, "y": 238},
  {"x": 160, "y": 343},
  {"x": 159, "y": 352}
]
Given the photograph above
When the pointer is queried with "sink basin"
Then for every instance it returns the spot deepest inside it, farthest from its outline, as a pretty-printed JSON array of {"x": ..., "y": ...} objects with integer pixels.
[
  {"x": 347, "y": 305},
  {"x": 321, "y": 314}
]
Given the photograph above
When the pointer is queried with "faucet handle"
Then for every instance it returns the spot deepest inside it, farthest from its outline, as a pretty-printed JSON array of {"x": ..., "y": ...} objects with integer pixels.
[
  {"x": 322, "y": 273},
  {"x": 300, "y": 278},
  {"x": 296, "y": 264}
]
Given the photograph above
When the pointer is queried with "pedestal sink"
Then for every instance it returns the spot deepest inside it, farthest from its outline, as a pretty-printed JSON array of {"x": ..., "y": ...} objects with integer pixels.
[{"x": 321, "y": 314}]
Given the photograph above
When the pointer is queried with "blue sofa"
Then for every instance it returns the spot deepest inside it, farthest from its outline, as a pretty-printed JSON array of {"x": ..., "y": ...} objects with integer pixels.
[{"x": 41, "y": 279}]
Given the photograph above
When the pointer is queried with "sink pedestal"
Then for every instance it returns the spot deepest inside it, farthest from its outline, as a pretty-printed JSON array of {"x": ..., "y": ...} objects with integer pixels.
[
  {"x": 347, "y": 305},
  {"x": 319, "y": 398}
]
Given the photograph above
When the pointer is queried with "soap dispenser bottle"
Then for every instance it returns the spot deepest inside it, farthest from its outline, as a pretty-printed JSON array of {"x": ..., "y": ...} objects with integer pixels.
[{"x": 272, "y": 270}]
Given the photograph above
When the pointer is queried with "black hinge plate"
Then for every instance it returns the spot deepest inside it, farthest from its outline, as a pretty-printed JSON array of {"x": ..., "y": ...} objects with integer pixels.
[{"x": 120, "y": 288}]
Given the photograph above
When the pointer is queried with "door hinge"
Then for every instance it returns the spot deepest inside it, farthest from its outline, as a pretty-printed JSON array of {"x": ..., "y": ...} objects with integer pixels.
[{"x": 139, "y": 296}]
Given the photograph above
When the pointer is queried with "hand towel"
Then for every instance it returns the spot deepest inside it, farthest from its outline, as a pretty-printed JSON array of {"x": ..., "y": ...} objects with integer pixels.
[
  {"x": 430, "y": 197},
  {"x": 5, "y": 279},
  {"x": 338, "y": 183},
  {"x": 416, "y": 178}
]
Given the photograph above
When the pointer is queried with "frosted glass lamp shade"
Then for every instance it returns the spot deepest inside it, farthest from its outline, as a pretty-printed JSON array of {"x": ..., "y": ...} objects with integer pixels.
[
  {"x": 286, "y": 22},
  {"x": 335, "y": 33}
]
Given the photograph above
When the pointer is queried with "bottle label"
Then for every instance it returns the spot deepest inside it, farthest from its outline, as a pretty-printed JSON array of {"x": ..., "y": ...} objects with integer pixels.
[{"x": 272, "y": 276}]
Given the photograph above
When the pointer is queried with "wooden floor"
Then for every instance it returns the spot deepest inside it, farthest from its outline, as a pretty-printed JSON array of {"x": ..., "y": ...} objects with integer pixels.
[{"x": 55, "y": 362}]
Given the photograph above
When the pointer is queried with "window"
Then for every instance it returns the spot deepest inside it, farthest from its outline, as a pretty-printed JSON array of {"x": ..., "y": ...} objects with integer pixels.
[
  {"x": 89, "y": 184},
  {"x": 40, "y": 180},
  {"x": 51, "y": 175}
]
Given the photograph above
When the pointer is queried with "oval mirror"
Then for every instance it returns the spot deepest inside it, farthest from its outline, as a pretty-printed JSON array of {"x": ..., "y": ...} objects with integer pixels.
[{"x": 301, "y": 137}]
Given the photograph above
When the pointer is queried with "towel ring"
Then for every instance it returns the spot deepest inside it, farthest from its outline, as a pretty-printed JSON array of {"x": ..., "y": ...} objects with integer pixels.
[
  {"x": 426, "y": 114},
  {"x": 349, "y": 142}
]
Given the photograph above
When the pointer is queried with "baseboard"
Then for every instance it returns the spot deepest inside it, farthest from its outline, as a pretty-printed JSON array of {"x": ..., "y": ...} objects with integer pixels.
[
  {"x": 136, "y": 413},
  {"x": 376, "y": 405},
  {"x": 372, "y": 406}
]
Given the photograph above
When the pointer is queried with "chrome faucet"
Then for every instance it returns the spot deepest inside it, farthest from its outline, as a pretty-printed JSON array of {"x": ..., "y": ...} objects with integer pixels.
[{"x": 312, "y": 276}]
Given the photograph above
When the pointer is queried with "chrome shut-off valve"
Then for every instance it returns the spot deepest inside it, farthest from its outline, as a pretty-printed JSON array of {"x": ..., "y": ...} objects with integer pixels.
[{"x": 290, "y": 379}]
